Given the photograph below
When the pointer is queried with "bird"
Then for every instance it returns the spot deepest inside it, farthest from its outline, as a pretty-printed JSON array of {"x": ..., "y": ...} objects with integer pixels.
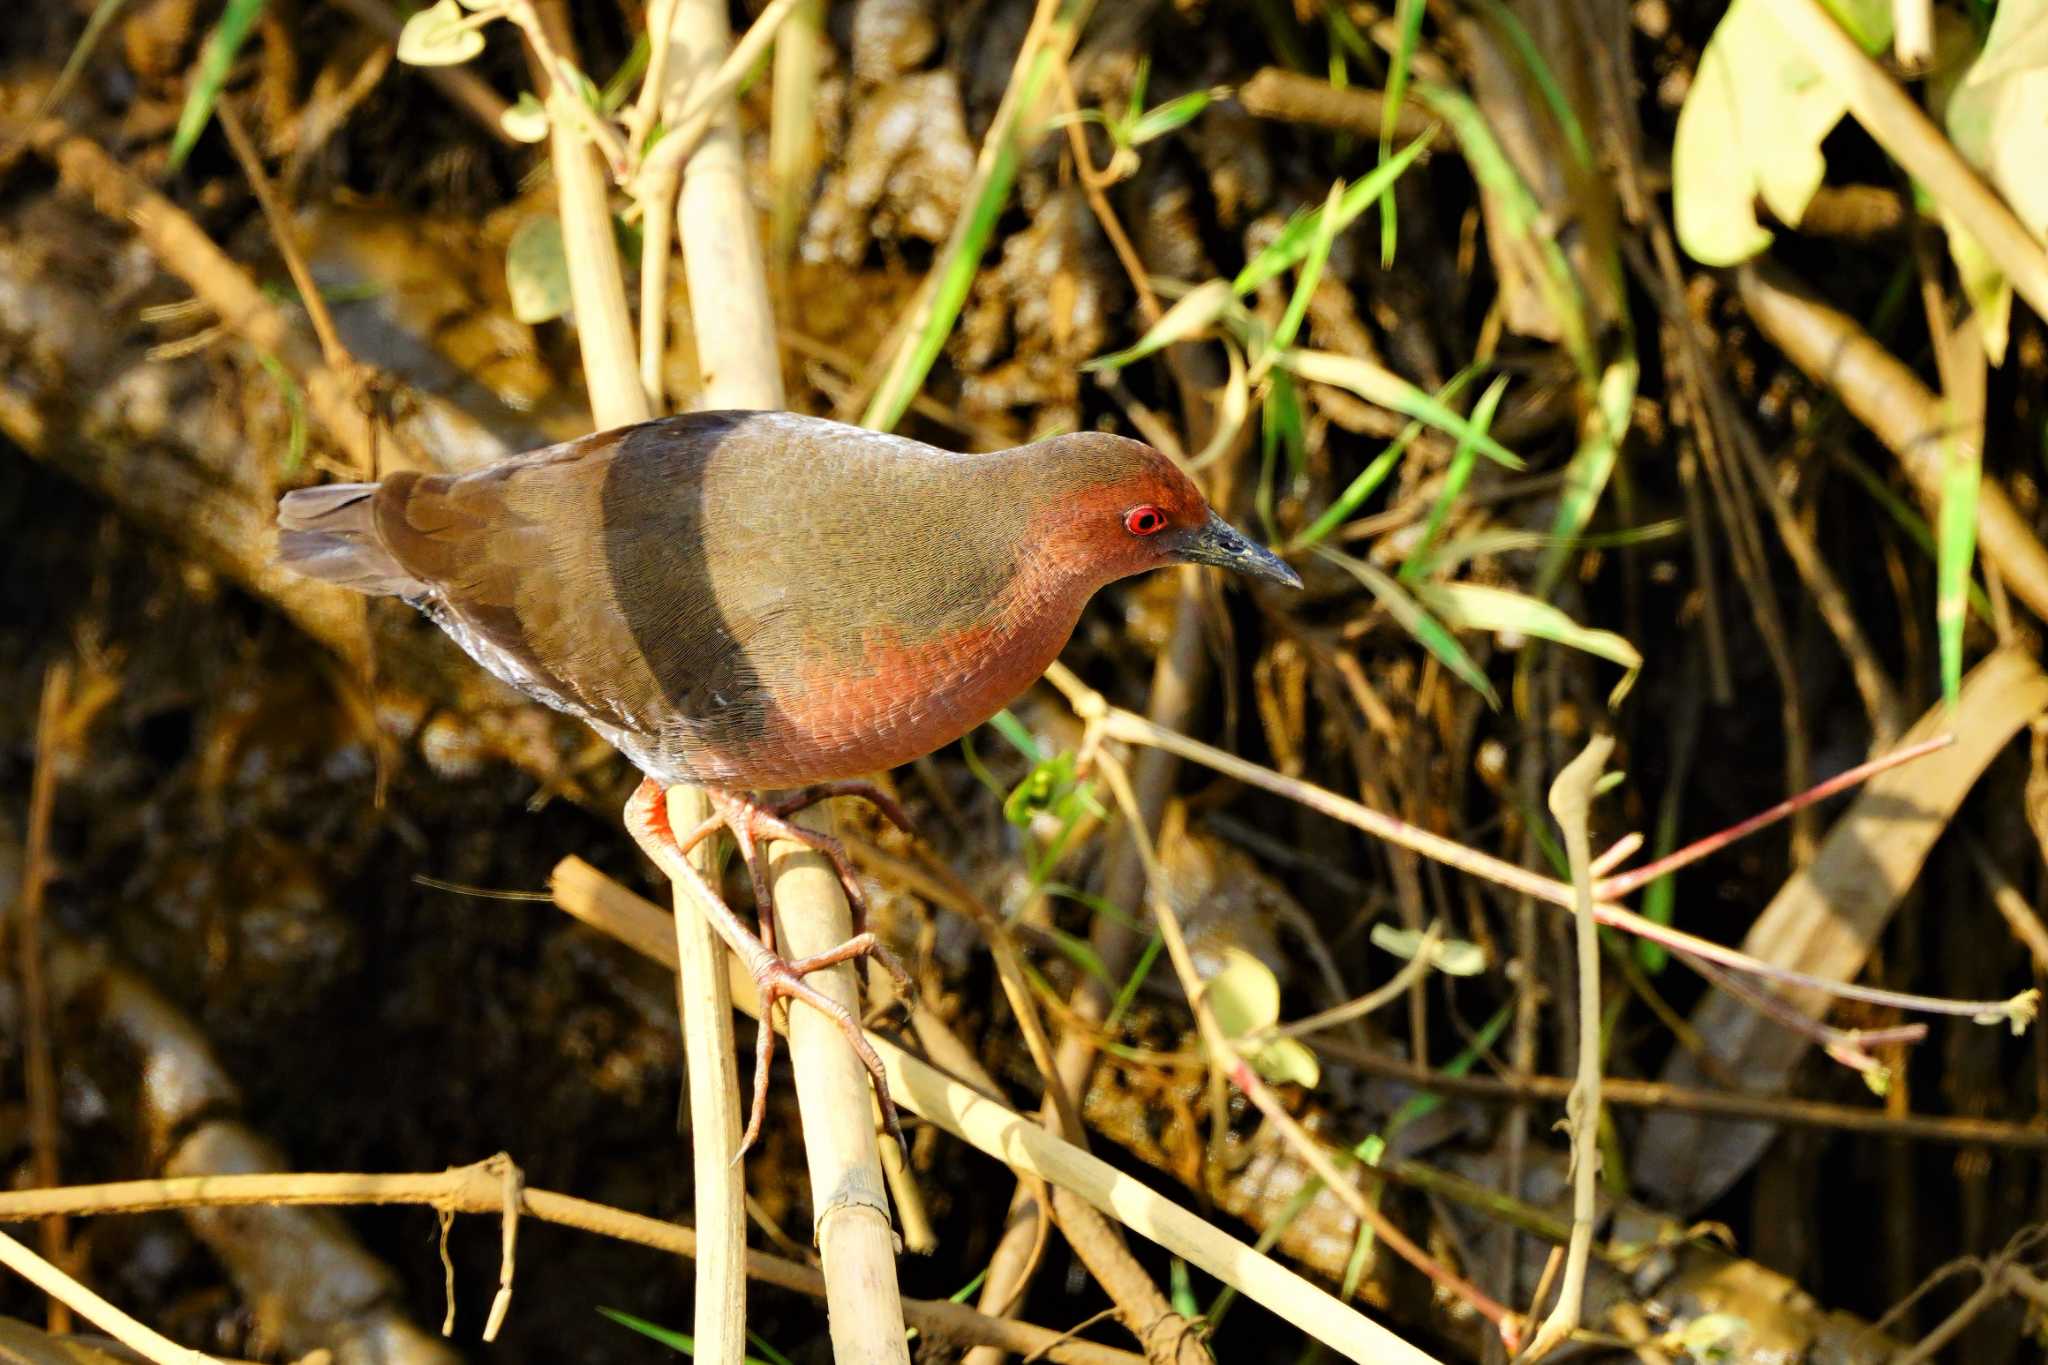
[{"x": 750, "y": 601}]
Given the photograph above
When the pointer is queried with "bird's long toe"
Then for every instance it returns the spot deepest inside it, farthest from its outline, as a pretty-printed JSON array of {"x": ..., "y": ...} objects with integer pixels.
[
  {"x": 784, "y": 979},
  {"x": 891, "y": 809}
]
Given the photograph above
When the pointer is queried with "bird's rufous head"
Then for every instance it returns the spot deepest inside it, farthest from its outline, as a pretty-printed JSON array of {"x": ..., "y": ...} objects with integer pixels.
[{"x": 1121, "y": 507}]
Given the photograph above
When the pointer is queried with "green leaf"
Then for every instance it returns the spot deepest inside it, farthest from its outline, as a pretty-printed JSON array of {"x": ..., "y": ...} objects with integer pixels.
[
  {"x": 1244, "y": 998},
  {"x": 1081, "y": 954},
  {"x": 1194, "y": 314},
  {"x": 526, "y": 120},
  {"x": 1869, "y": 22},
  {"x": 1455, "y": 477},
  {"x": 1955, "y": 548},
  {"x": 1376, "y": 384},
  {"x": 1473, "y": 606},
  {"x": 1286, "y": 1061},
  {"x": 1752, "y": 127},
  {"x": 1997, "y": 116},
  {"x": 210, "y": 76},
  {"x": 537, "y": 268},
  {"x": 1451, "y": 956},
  {"x": 439, "y": 35},
  {"x": 1413, "y": 618},
  {"x": 1292, "y": 243}
]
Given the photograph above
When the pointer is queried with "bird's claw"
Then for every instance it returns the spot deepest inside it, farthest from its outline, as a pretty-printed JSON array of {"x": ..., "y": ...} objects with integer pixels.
[{"x": 776, "y": 977}]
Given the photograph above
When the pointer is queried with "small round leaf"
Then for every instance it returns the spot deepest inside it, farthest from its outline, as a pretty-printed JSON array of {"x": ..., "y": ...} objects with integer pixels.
[{"x": 437, "y": 36}]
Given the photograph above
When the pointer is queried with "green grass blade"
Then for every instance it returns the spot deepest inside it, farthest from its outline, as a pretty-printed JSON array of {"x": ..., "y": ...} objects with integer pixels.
[
  {"x": 295, "y": 408},
  {"x": 1311, "y": 275},
  {"x": 103, "y": 14},
  {"x": 1585, "y": 478},
  {"x": 1420, "y": 1106},
  {"x": 1376, "y": 384},
  {"x": 1373, "y": 475},
  {"x": 1497, "y": 540},
  {"x": 1129, "y": 991},
  {"x": 669, "y": 1337},
  {"x": 1955, "y": 548},
  {"x": 1414, "y": 618},
  {"x": 1293, "y": 242},
  {"x": 1175, "y": 113},
  {"x": 1455, "y": 477},
  {"x": 1521, "y": 214},
  {"x": 1547, "y": 84},
  {"x": 1908, "y": 519},
  {"x": 1191, "y": 315},
  {"x": 216, "y": 59},
  {"x": 1474, "y": 606},
  {"x": 963, "y": 257},
  {"x": 1408, "y": 18},
  {"x": 1006, "y": 724}
]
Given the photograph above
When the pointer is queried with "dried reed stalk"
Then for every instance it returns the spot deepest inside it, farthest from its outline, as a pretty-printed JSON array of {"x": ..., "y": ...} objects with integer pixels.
[{"x": 741, "y": 364}]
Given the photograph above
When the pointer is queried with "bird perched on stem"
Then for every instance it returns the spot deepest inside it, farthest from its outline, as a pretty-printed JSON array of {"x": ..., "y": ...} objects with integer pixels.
[{"x": 760, "y": 600}]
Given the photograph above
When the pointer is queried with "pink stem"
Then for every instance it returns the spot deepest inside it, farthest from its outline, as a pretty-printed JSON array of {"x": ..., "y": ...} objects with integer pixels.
[{"x": 1621, "y": 884}]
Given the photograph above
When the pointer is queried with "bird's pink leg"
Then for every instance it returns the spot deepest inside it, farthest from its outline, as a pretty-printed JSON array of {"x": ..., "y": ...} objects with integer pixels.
[
  {"x": 772, "y": 816},
  {"x": 774, "y": 977}
]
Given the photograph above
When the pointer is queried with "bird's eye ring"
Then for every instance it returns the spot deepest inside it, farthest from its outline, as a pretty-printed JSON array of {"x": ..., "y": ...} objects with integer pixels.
[{"x": 1144, "y": 520}]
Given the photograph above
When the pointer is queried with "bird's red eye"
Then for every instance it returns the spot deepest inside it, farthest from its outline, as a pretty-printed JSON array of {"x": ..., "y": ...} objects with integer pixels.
[{"x": 1144, "y": 520}]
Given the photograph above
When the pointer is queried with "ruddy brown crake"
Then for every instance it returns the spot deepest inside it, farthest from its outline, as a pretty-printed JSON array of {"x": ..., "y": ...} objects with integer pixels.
[{"x": 762, "y": 600}]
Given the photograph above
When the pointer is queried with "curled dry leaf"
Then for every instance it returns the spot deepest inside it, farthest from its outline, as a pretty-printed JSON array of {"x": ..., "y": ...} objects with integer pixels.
[{"x": 1752, "y": 127}]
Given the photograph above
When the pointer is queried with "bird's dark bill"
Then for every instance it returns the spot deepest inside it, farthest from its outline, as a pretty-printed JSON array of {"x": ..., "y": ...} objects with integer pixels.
[{"x": 1220, "y": 544}]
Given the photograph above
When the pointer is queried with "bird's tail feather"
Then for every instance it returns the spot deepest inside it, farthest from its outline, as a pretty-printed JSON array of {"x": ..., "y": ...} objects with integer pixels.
[{"x": 330, "y": 533}]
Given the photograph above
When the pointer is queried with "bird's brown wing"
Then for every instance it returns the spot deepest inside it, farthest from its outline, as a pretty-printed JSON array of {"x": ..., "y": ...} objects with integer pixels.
[{"x": 578, "y": 575}]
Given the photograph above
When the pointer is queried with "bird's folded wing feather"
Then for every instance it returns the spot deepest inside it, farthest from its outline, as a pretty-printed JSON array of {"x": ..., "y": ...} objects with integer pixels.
[{"x": 584, "y": 573}]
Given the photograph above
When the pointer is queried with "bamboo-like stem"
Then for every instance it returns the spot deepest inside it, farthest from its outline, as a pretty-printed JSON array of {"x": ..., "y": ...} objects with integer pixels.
[
  {"x": 1225, "y": 1057},
  {"x": 742, "y": 368},
  {"x": 708, "y": 108},
  {"x": 597, "y": 285},
  {"x": 1027, "y": 1148},
  {"x": 703, "y": 998},
  {"x": 793, "y": 127},
  {"x": 849, "y": 1202},
  {"x": 735, "y": 324},
  {"x": 656, "y": 195},
  {"x": 137, "y": 1337},
  {"x": 480, "y": 1189},
  {"x": 704, "y": 1004},
  {"x": 1571, "y": 801}
]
